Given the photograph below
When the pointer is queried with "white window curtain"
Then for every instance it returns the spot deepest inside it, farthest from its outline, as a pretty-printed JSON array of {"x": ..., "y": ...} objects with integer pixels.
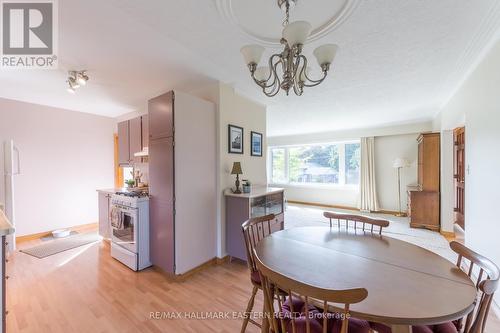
[{"x": 368, "y": 189}]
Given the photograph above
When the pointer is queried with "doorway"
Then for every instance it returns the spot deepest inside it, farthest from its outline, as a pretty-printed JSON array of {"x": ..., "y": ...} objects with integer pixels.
[{"x": 459, "y": 175}]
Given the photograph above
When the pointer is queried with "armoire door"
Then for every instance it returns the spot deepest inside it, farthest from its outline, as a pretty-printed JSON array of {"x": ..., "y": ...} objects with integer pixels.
[{"x": 459, "y": 175}]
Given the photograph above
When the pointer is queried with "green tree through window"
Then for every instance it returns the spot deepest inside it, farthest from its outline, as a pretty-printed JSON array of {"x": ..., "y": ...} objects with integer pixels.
[{"x": 318, "y": 164}]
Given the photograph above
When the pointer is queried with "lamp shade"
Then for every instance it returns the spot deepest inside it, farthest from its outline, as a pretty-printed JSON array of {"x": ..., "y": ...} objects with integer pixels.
[
  {"x": 262, "y": 73},
  {"x": 400, "y": 163},
  {"x": 252, "y": 53},
  {"x": 303, "y": 72},
  {"x": 297, "y": 32},
  {"x": 236, "y": 169},
  {"x": 325, "y": 53}
]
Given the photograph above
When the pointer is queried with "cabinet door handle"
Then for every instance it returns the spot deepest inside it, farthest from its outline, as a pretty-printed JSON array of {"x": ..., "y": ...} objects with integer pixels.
[{"x": 7, "y": 277}]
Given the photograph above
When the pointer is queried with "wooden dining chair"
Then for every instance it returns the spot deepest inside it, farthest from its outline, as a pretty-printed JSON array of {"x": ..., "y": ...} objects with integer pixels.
[
  {"x": 351, "y": 220},
  {"x": 485, "y": 274},
  {"x": 254, "y": 230},
  {"x": 298, "y": 307}
]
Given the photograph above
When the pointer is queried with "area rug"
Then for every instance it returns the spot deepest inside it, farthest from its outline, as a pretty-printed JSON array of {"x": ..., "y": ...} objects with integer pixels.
[
  {"x": 301, "y": 215},
  {"x": 61, "y": 245}
]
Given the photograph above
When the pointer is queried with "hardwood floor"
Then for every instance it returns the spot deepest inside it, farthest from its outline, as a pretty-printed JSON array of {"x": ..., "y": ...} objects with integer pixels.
[{"x": 85, "y": 290}]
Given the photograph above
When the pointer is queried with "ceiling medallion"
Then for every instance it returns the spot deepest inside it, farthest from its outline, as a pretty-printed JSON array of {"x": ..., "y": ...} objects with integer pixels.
[
  {"x": 225, "y": 9},
  {"x": 289, "y": 69}
]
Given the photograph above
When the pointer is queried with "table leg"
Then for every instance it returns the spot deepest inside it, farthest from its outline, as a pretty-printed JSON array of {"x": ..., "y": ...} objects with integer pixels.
[{"x": 401, "y": 329}]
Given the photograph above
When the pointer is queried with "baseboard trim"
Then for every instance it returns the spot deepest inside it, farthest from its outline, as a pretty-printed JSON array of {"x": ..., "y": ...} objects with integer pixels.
[
  {"x": 184, "y": 276},
  {"x": 448, "y": 235},
  {"x": 223, "y": 260},
  {"x": 81, "y": 227},
  {"x": 306, "y": 203}
]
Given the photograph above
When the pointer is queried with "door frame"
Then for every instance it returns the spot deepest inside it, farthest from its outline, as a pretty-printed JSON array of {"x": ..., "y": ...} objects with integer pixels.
[{"x": 459, "y": 171}]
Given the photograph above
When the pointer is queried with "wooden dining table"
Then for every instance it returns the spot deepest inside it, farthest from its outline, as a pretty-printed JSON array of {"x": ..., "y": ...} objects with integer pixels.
[{"x": 407, "y": 285}]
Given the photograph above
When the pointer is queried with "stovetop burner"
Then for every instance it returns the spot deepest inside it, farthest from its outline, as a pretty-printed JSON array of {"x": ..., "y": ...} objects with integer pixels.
[{"x": 132, "y": 194}]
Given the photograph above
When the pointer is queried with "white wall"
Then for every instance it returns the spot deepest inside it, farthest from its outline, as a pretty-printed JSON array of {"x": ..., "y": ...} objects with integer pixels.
[
  {"x": 196, "y": 204},
  {"x": 477, "y": 103},
  {"x": 390, "y": 143},
  {"x": 387, "y": 149},
  {"x": 447, "y": 181},
  {"x": 65, "y": 157},
  {"x": 235, "y": 109}
]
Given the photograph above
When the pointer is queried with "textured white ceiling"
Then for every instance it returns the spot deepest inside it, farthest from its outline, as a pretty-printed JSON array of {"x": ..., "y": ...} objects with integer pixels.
[{"x": 399, "y": 60}]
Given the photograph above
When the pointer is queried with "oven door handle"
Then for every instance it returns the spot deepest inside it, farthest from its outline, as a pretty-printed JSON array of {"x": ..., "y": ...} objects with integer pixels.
[{"x": 124, "y": 208}]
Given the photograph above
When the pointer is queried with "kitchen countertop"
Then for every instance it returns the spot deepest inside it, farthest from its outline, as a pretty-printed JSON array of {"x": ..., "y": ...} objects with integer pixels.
[
  {"x": 111, "y": 190},
  {"x": 114, "y": 190},
  {"x": 5, "y": 227},
  {"x": 256, "y": 191}
]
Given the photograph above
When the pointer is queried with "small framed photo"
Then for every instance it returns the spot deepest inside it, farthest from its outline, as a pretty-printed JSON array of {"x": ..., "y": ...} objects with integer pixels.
[
  {"x": 256, "y": 144},
  {"x": 235, "y": 139}
]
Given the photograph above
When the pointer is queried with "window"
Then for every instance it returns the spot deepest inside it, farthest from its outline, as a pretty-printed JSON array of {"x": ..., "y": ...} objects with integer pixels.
[
  {"x": 128, "y": 174},
  {"x": 278, "y": 165},
  {"x": 332, "y": 163},
  {"x": 352, "y": 163}
]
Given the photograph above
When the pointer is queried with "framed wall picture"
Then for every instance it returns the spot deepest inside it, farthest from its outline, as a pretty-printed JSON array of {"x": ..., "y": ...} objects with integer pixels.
[
  {"x": 256, "y": 144},
  {"x": 235, "y": 139}
]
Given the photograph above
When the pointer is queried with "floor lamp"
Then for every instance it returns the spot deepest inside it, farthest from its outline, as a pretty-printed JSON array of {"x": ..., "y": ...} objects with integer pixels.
[{"x": 400, "y": 163}]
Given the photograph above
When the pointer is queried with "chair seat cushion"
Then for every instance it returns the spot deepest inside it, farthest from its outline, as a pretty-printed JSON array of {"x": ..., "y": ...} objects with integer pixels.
[
  {"x": 255, "y": 276},
  {"x": 298, "y": 316},
  {"x": 448, "y": 327},
  {"x": 316, "y": 316},
  {"x": 355, "y": 325}
]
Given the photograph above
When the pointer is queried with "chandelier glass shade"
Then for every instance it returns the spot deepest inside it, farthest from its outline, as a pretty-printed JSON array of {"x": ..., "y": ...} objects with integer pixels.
[{"x": 288, "y": 70}]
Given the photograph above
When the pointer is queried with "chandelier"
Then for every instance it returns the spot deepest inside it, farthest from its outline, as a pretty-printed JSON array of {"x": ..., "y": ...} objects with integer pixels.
[{"x": 288, "y": 69}]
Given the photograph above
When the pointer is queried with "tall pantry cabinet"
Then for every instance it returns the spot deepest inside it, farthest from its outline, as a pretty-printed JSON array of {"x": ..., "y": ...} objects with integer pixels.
[{"x": 182, "y": 181}]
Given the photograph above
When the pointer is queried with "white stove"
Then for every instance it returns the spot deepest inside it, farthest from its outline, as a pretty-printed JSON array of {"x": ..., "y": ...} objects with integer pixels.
[{"x": 129, "y": 216}]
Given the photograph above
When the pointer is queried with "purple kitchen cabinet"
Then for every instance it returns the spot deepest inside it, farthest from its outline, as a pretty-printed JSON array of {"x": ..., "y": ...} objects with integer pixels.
[
  {"x": 240, "y": 208},
  {"x": 145, "y": 131},
  {"x": 161, "y": 169},
  {"x": 161, "y": 193},
  {"x": 161, "y": 239},
  {"x": 161, "y": 116},
  {"x": 123, "y": 143},
  {"x": 135, "y": 137}
]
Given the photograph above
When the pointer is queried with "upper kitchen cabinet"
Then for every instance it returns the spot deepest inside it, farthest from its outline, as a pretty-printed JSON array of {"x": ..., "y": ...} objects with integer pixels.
[
  {"x": 161, "y": 116},
  {"x": 145, "y": 131},
  {"x": 123, "y": 143},
  {"x": 132, "y": 138},
  {"x": 135, "y": 137}
]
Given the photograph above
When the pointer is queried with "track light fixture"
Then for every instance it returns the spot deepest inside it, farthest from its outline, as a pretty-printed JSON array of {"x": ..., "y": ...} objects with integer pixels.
[{"x": 76, "y": 79}]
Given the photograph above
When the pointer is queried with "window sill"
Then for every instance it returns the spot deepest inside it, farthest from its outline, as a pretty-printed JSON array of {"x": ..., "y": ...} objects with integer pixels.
[{"x": 317, "y": 186}]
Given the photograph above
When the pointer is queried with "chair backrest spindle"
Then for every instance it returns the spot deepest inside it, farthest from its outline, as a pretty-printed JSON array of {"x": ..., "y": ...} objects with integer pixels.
[
  {"x": 365, "y": 220},
  {"x": 486, "y": 284},
  {"x": 254, "y": 230},
  {"x": 307, "y": 297}
]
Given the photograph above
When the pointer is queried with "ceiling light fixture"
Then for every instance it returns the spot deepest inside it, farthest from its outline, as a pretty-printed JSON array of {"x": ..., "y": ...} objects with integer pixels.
[
  {"x": 288, "y": 69},
  {"x": 82, "y": 78},
  {"x": 76, "y": 79}
]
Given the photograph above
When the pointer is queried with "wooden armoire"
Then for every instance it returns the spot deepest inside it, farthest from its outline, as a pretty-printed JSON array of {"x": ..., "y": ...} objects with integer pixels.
[{"x": 424, "y": 200}]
